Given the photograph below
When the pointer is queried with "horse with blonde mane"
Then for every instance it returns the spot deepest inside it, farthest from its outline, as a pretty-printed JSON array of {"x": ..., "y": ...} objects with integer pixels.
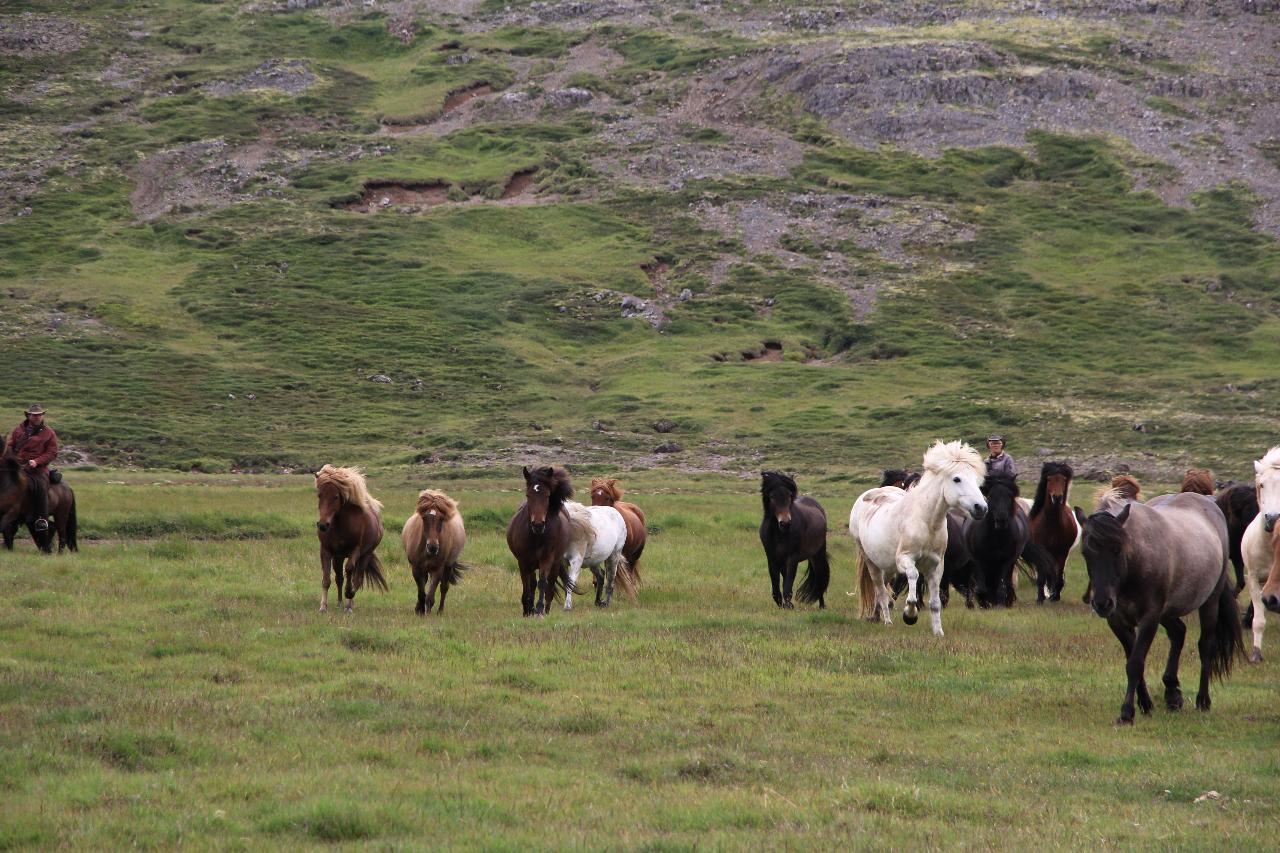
[
  {"x": 538, "y": 536},
  {"x": 905, "y": 532},
  {"x": 349, "y": 528},
  {"x": 1260, "y": 548},
  {"x": 597, "y": 535},
  {"x": 433, "y": 539},
  {"x": 607, "y": 492}
]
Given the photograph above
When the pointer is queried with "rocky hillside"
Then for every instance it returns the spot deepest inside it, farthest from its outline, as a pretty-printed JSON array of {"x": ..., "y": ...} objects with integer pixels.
[{"x": 265, "y": 235}]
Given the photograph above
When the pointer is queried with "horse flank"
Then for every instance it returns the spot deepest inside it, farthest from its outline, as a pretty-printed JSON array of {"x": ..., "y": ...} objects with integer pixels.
[
  {"x": 350, "y": 484},
  {"x": 581, "y": 529}
]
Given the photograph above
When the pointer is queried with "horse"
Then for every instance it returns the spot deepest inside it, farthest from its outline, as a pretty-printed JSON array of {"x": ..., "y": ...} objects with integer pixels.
[
  {"x": 1129, "y": 489},
  {"x": 906, "y": 531},
  {"x": 597, "y": 537},
  {"x": 999, "y": 540},
  {"x": 1151, "y": 564},
  {"x": 15, "y": 504},
  {"x": 1260, "y": 547},
  {"x": 349, "y": 529},
  {"x": 433, "y": 539},
  {"x": 1053, "y": 526},
  {"x": 1239, "y": 503},
  {"x": 607, "y": 492},
  {"x": 538, "y": 536},
  {"x": 1198, "y": 481},
  {"x": 793, "y": 530}
]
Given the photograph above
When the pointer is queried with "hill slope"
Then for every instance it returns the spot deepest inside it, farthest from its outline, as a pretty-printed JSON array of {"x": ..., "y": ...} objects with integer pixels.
[{"x": 809, "y": 235}]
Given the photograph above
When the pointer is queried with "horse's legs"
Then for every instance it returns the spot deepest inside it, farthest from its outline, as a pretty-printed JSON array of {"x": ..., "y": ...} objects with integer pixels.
[
  {"x": 326, "y": 560},
  {"x": 789, "y": 581},
  {"x": 1259, "y": 618},
  {"x": 444, "y": 589},
  {"x": 527, "y": 584},
  {"x": 1208, "y": 625},
  {"x": 907, "y": 566},
  {"x": 775, "y": 578},
  {"x": 1238, "y": 563},
  {"x": 431, "y": 589},
  {"x": 1136, "y": 645},
  {"x": 1059, "y": 580},
  {"x": 1177, "y": 632},
  {"x": 420, "y": 580},
  {"x": 883, "y": 602},
  {"x": 935, "y": 598},
  {"x": 575, "y": 568},
  {"x": 610, "y": 575}
]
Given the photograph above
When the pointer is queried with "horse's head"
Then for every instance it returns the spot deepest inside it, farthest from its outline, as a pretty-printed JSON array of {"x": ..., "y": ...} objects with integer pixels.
[
  {"x": 778, "y": 491},
  {"x": 1104, "y": 555},
  {"x": 605, "y": 492},
  {"x": 1056, "y": 477},
  {"x": 1000, "y": 491},
  {"x": 435, "y": 509},
  {"x": 894, "y": 477},
  {"x": 1198, "y": 481},
  {"x": 961, "y": 472},
  {"x": 330, "y": 500},
  {"x": 1267, "y": 483},
  {"x": 545, "y": 491},
  {"x": 1128, "y": 486}
]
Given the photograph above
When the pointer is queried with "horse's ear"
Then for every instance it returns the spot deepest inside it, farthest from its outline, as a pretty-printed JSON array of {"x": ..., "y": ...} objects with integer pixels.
[
  {"x": 1123, "y": 516},
  {"x": 526, "y": 473},
  {"x": 1079, "y": 515},
  {"x": 1257, "y": 466}
]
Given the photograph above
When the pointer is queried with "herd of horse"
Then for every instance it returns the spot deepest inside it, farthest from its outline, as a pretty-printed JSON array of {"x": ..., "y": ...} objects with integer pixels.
[{"x": 951, "y": 526}]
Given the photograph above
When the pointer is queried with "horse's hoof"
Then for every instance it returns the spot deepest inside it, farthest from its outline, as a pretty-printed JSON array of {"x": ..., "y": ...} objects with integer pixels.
[
  {"x": 1255, "y": 656},
  {"x": 909, "y": 616},
  {"x": 1173, "y": 702},
  {"x": 324, "y": 609},
  {"x": 1203, "y": 703},
  {"x": 788, "y": 605},
  {"x": 1122, "y": 721}
]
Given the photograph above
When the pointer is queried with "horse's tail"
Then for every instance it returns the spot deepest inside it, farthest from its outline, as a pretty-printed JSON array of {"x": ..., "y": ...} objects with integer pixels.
[
  {"x": 817, "y": 578},
  {"x": 561, "y": 583},
  {"x": 866, "y": 588},
  {"x": 625, "y": 578},
  {"x": 71, "y": 526},
  {"x": 1228, "y": 640},
  {"x": 1038, "y": 559},
  {"x": 369, "y": 569},
  {"x": 454, "y": 573}
]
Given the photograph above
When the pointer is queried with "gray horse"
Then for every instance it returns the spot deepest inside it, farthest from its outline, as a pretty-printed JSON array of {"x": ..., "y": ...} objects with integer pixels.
[{"x": 1151, "y": 564}]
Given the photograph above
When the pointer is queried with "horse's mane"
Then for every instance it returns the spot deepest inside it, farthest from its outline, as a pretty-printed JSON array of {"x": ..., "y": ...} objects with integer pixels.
[
  {"x": 440, "y": 502},
  {"x": 911, "y": 479},
  {"x": 893, "y": 476},
  {"x": 1270, "y": 460},
  {"x": 1110, "y": 499},
  {"x": 1006, "y": 481},
  {"x": 1199, "y": 481},
  {"x": 350, "y": 485},
  {"x": 1048, "y": 470},
  {"x": 1127, "y": 486},
  {"x": 1106, "y": 533},
  {"x": 610, "y": 486},
  {"x": 581, "y": 527},
  {"x": 770, "y": 480},
  {"x": 951, "y": 457},
  {"x": 1239, "y": 501}
]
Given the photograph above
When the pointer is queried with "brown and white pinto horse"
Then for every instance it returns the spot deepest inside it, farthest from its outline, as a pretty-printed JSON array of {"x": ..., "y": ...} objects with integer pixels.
[
  {"x": 539, "y": 537},
  {"x": 1053, "y": 526},
  {"x": 349, "y": 528},
  {"x": 433, "y": 539},
  {"x": 607, "y": 492}
]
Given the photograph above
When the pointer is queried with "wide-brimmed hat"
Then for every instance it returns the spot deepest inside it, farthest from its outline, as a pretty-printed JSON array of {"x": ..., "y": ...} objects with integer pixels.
[
  {"x": 995, "y": 437},
  {"x": 35, "y": 409}
]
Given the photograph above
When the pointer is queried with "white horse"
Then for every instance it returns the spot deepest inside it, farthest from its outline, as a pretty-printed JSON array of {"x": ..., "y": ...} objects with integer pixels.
[
  {"x": 597, "y": 535},
  {"x": 1258, "y": 548},
  {"x": 906, "y": 532}
]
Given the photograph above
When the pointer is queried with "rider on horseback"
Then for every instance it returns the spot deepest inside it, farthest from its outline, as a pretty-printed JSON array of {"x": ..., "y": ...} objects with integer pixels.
[{"x": 35, "y": 445}]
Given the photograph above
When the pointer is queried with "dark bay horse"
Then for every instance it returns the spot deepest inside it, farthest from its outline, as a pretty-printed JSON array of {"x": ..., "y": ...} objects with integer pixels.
[
  {"x": 1239, "y": 503},
  {"x": 349, "y": 529},
  {"x": 16, "y": 505},
  {"x": 998, "y": 540},
  {"x": 538, "y": 537},
  {"x": 607, "y": 492},
  {"x": 794, "y": 529},
  {"x": 1151, "y": 564},
  {"x": 1053, "y": 526},
  {"x": 433, "y": 539}
]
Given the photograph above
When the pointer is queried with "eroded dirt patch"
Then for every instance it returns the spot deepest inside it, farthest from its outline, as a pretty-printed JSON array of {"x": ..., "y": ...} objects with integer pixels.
[
  {"x": 292, "y": 77},
  {"x": 380, "y": 195},
  {"x": 461, "y": 96},
  {"x": 519, "y": 184}
]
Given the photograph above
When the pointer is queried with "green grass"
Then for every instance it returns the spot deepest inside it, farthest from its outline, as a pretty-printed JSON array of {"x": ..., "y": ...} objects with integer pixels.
[{"x": 186, "y": 691}]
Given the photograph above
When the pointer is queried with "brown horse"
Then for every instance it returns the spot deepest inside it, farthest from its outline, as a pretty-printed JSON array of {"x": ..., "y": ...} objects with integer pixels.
[
  {"x": 1053, "y": 527},
  {"x": 350, "y": 528},
  {"x": 607, "y": 492},
  {"x": 15, "y": 504},
  {"x": 1198, "y": 481},
  {"x": 538, "y": 537},
  {"x": 433, "y": 539},
  {"x": 1129, "y": 489}
]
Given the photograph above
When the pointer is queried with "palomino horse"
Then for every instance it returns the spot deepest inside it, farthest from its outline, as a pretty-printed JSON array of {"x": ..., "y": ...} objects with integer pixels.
[
  {"x": 999, "y": 541},
  {"x": 1261, "y": 548},
  {"x": 1150, "y": 565},
  {"x": 433, "y": 539},
  {"x": 906, "y": 531},
  {"x": 607, "y": 492},
  {"x": 538, "y": 537},
  {"x": 597, "y": 536},
  {"x": 1053, "y": 526},
  {"x": 794, "y": 529},
  {"x": 349, "y": 529}
]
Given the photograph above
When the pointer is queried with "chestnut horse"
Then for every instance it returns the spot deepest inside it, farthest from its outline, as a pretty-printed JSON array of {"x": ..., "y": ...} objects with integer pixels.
[
  {"x": 1198, "y": 481},
  {"x": 607, "y": 492},
  {"x": 433, "y": 539},
  {"x": 349, "y": 529},
  {"x": 539, "y": 537},
  {"x": 1053, "y": 526}
]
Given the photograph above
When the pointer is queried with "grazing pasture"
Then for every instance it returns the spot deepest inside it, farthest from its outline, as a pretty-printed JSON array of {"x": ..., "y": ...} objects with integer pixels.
[{"x": 173, "y": 684}]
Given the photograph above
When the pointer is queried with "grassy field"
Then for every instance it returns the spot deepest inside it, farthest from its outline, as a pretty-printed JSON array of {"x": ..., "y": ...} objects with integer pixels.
[{"x": 174, "y": 684}]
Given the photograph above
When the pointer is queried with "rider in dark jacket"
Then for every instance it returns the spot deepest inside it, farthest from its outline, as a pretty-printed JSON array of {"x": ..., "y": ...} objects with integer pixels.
[{"x": 35, "y": 445}]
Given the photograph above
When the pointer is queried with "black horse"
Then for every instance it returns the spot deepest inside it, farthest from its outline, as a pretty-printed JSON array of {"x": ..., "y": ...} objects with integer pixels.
[
  {"x": 794, "y": 529},
  {"x": 999, "y": 541},
  {"x": 1239, "y": 503}
]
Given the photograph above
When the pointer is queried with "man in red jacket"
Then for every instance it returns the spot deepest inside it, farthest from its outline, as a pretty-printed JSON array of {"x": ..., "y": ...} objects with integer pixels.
[{"x": 35, "y": 445}]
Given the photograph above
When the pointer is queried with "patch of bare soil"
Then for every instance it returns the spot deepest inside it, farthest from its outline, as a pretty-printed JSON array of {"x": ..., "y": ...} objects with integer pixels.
[
  {"x": 292, "y": 77},
  {"x": 30, "y": 34},
  {"x": 380, "y": 195},
  {"x": 519, "y": 184},
  {"x": 456, "y": 99}
]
